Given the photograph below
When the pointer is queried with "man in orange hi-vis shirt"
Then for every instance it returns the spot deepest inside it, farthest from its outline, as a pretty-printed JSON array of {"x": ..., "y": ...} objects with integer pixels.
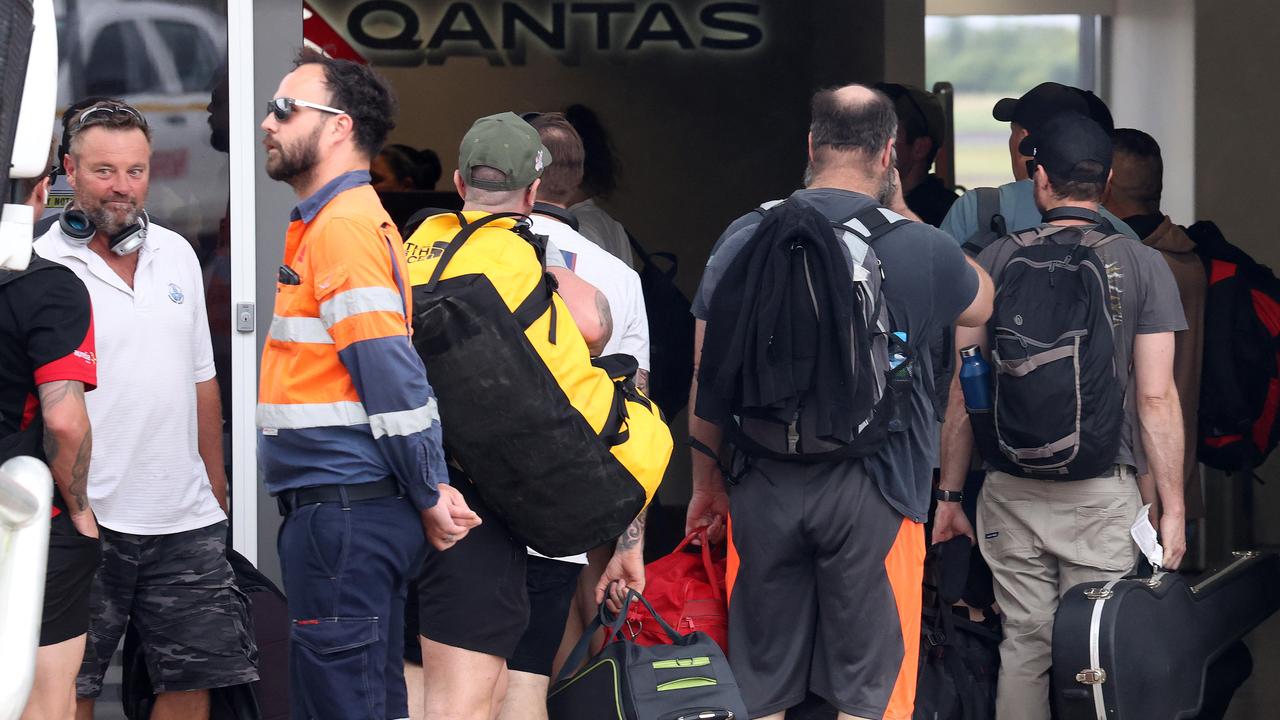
[{"x": 349, "y": 431}]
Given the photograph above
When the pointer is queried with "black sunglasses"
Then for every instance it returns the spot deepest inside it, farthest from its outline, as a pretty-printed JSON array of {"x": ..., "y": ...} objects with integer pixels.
[{"x": 284, "y": 108}]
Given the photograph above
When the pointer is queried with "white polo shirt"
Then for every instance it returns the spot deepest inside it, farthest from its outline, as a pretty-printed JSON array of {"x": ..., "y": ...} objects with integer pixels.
[
  {"x": 145, "y": 475},
  {"x": 611, "y": 276}
]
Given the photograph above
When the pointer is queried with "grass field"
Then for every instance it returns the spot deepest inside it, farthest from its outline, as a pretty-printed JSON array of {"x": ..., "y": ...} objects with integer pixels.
[{"x": 982, "y": 142}]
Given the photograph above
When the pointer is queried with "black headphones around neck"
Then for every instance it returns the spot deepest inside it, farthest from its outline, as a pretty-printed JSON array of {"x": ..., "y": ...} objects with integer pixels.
[{"x": 80, "y": 229}]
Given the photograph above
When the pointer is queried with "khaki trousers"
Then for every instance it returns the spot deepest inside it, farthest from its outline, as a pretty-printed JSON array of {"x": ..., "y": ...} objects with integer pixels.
[{"x": 1041, "y": 539}]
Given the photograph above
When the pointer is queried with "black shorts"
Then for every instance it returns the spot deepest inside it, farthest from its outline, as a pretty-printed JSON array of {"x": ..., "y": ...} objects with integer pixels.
[
  {"x": 824, "y": 591},
  {"x": 551, "y": 585},
  {"x": 73, "y": 559},
  {"x": 472, "y": 596}
]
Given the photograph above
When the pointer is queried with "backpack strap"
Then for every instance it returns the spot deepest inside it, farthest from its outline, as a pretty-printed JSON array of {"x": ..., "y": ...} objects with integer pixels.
[
  {"x": 991, "y": 222},
  {"x": 466, "y": 231},
  {"x": 557, "y": 213},
  {"x": 416, "y": 219}
]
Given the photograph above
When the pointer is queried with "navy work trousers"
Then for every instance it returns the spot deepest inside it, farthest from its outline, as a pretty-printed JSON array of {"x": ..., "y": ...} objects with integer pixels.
[{"x": 347, "y": 567}]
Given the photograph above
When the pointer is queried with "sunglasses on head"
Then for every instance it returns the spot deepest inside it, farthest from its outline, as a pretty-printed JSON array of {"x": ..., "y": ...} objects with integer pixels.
[
  {"x": 284, "y": 108},
  {"x": 110, "y": 109}
]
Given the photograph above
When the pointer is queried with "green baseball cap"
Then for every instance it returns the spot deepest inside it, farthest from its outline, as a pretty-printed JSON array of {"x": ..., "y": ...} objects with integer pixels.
[{"x": 507, "y": 143}]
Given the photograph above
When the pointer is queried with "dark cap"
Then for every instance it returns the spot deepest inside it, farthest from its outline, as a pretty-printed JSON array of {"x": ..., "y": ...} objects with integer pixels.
[
  {"x": 1071, "y": 147},
  {"x": 506, "y": 143},
  {"x": 912, "y": 102},
  {"x": 1049, "y": 99}
]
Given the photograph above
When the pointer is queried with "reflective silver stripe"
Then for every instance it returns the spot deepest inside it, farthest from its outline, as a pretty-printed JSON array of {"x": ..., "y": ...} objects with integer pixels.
[
  {"x": 1095, "y": 651},
  {"x": 360, "y": 300},
  {"x": 890, "y": 215},
  {"x": 310, "y": 415},
  {"x": 300, "y": 330},
  {"x": 405, "y": 422}
]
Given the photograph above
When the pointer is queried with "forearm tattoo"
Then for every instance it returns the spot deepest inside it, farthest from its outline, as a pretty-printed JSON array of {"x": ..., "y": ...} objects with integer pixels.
[{"x": 634, "y": 535}]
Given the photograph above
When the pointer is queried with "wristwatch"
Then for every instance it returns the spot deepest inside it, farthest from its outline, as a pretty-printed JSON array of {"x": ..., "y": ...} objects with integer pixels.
[{"x": 948, "y": 495}]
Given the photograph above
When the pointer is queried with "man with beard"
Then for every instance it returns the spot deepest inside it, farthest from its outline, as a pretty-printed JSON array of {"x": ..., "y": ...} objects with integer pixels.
[
  {"x": 349, "y": 436},
  {"x": 836, "y": 548},
  {"x": 156, "y": 478}
]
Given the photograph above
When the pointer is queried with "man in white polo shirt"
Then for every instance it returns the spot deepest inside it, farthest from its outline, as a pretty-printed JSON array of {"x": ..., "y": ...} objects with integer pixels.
[
  {"x": 156, "y": 479},
  {"x": 552, "y": 582}
]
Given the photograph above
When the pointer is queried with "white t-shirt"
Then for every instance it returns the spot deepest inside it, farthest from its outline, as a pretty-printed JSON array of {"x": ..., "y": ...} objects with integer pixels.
[
  {"x": 621, "y": 287},
  {"x": 619, "y": 283},
  {"x": 145, "y": 475}
]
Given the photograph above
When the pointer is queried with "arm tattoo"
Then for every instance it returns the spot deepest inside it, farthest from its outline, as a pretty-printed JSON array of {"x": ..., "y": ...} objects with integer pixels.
[
  {"x": 606, "y": 315},
  {"x": 80, "y": 474},
  {"x": 634, "y": 534},
  {"x": 52, "y": 395},
  {"x": 642, "y": 381}
]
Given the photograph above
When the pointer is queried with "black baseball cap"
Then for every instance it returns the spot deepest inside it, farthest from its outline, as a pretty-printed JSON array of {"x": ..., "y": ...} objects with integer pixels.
[
  {"x": 1048, "y": 99},
  {"x": 1071, "y": 147}
]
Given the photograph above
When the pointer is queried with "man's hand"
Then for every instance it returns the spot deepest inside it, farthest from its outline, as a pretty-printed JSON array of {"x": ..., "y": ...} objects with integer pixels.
[
  {"x": 709, "y": 508},
  {"x": 625, "y": 571},
  {"x": 218, "y": 484},
  {"x": 85, "y": 523},
  {"x": 897, "y": 202},
  {"x": 449, "y": 520},
  {"x": 949, "y": 521},
  {"x": 1173, "y": 538}
]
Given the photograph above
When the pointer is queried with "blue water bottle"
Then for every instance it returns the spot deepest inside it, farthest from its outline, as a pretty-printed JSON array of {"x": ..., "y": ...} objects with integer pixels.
[{"x": 975, "y": 378}]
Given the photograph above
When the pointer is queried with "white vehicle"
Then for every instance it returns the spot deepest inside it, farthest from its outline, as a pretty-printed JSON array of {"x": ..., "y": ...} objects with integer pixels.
[{"x": 163, "y": 60}]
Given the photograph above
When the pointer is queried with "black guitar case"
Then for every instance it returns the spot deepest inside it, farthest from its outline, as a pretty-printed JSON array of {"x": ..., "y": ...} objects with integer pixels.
[{"x": 1140, "y": 649}]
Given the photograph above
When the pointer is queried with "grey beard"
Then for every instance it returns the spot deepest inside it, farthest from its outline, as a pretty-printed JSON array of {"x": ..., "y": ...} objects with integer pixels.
[
  {"x": 888, "y": 188},
  {"x": 106, "y": 223},
  {"x": 807, "y": 179}
]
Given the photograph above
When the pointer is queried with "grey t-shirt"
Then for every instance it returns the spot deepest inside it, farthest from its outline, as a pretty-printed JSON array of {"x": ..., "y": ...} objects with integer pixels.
[
  {"x": 1143, "y": 299},
  {"x": 927, "y": 285}
]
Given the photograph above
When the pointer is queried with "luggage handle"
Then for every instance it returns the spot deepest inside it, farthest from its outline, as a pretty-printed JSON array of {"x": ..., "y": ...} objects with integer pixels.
[
  {"x": 614, "y": 625},
  {"x": 701, "y": 535}
]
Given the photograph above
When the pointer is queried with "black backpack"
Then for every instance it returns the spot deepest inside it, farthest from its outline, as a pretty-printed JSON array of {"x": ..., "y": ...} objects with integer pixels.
[
  {"x": 959, "y": 657},
  {"x": 991, "y": 224},
  {"x": 1240, "y": 380},
  {"x": 796, "y": 364},
  {"x": 670, "y": 330},
  {"x": 1058, "y": 398}
]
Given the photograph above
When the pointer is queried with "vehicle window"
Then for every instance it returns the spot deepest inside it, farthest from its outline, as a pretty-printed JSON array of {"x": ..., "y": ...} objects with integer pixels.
[
  {"x": 118, "y": 64},
  {"x": 194, "y": 55}
]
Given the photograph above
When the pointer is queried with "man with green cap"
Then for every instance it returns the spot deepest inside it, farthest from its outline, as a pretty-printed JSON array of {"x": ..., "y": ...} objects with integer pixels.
[{"x": 474, "y": 605}]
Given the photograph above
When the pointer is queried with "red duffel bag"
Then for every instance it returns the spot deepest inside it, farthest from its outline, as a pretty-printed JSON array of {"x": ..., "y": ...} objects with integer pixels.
[{"x": 687, "y": 589}]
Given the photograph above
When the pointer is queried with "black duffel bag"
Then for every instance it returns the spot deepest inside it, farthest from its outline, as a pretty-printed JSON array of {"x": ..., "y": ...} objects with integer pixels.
[{"x": 690, "y": 678}]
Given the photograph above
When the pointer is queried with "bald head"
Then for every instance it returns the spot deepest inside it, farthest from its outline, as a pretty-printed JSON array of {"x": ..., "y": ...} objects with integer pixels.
[{"x": 851, "y": 124}]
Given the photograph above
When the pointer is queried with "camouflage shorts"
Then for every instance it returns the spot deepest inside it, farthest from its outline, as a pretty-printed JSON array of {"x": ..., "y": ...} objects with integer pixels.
[{"x": 178, "y": 590}]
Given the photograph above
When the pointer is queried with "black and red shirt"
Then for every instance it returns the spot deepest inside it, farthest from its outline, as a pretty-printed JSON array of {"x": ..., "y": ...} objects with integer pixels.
[{"x": 46, "y": 335}]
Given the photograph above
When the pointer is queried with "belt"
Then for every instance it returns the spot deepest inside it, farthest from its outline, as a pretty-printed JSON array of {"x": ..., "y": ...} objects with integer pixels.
[{"x": 289, "y": 500}]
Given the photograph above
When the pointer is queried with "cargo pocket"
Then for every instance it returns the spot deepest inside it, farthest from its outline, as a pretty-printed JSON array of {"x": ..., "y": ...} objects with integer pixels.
[
  {"x": 1003, "y": 534},
  {"x": 1102, "y": 538},
  {"x": 208, "y": 645},
  {"x": 331, "y": 658}
]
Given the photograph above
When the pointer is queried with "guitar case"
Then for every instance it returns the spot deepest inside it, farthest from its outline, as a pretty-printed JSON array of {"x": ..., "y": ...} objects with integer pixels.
[{"x": 1141, "y": 648}]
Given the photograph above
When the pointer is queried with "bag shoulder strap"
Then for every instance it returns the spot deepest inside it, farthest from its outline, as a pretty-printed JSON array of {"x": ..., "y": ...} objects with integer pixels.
[
  {"x": 466, "y": 230},
  {"x": 991, "y": 222},
  {"x": 614, "y": 625},
  {"x": 558, "y": 213}
]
